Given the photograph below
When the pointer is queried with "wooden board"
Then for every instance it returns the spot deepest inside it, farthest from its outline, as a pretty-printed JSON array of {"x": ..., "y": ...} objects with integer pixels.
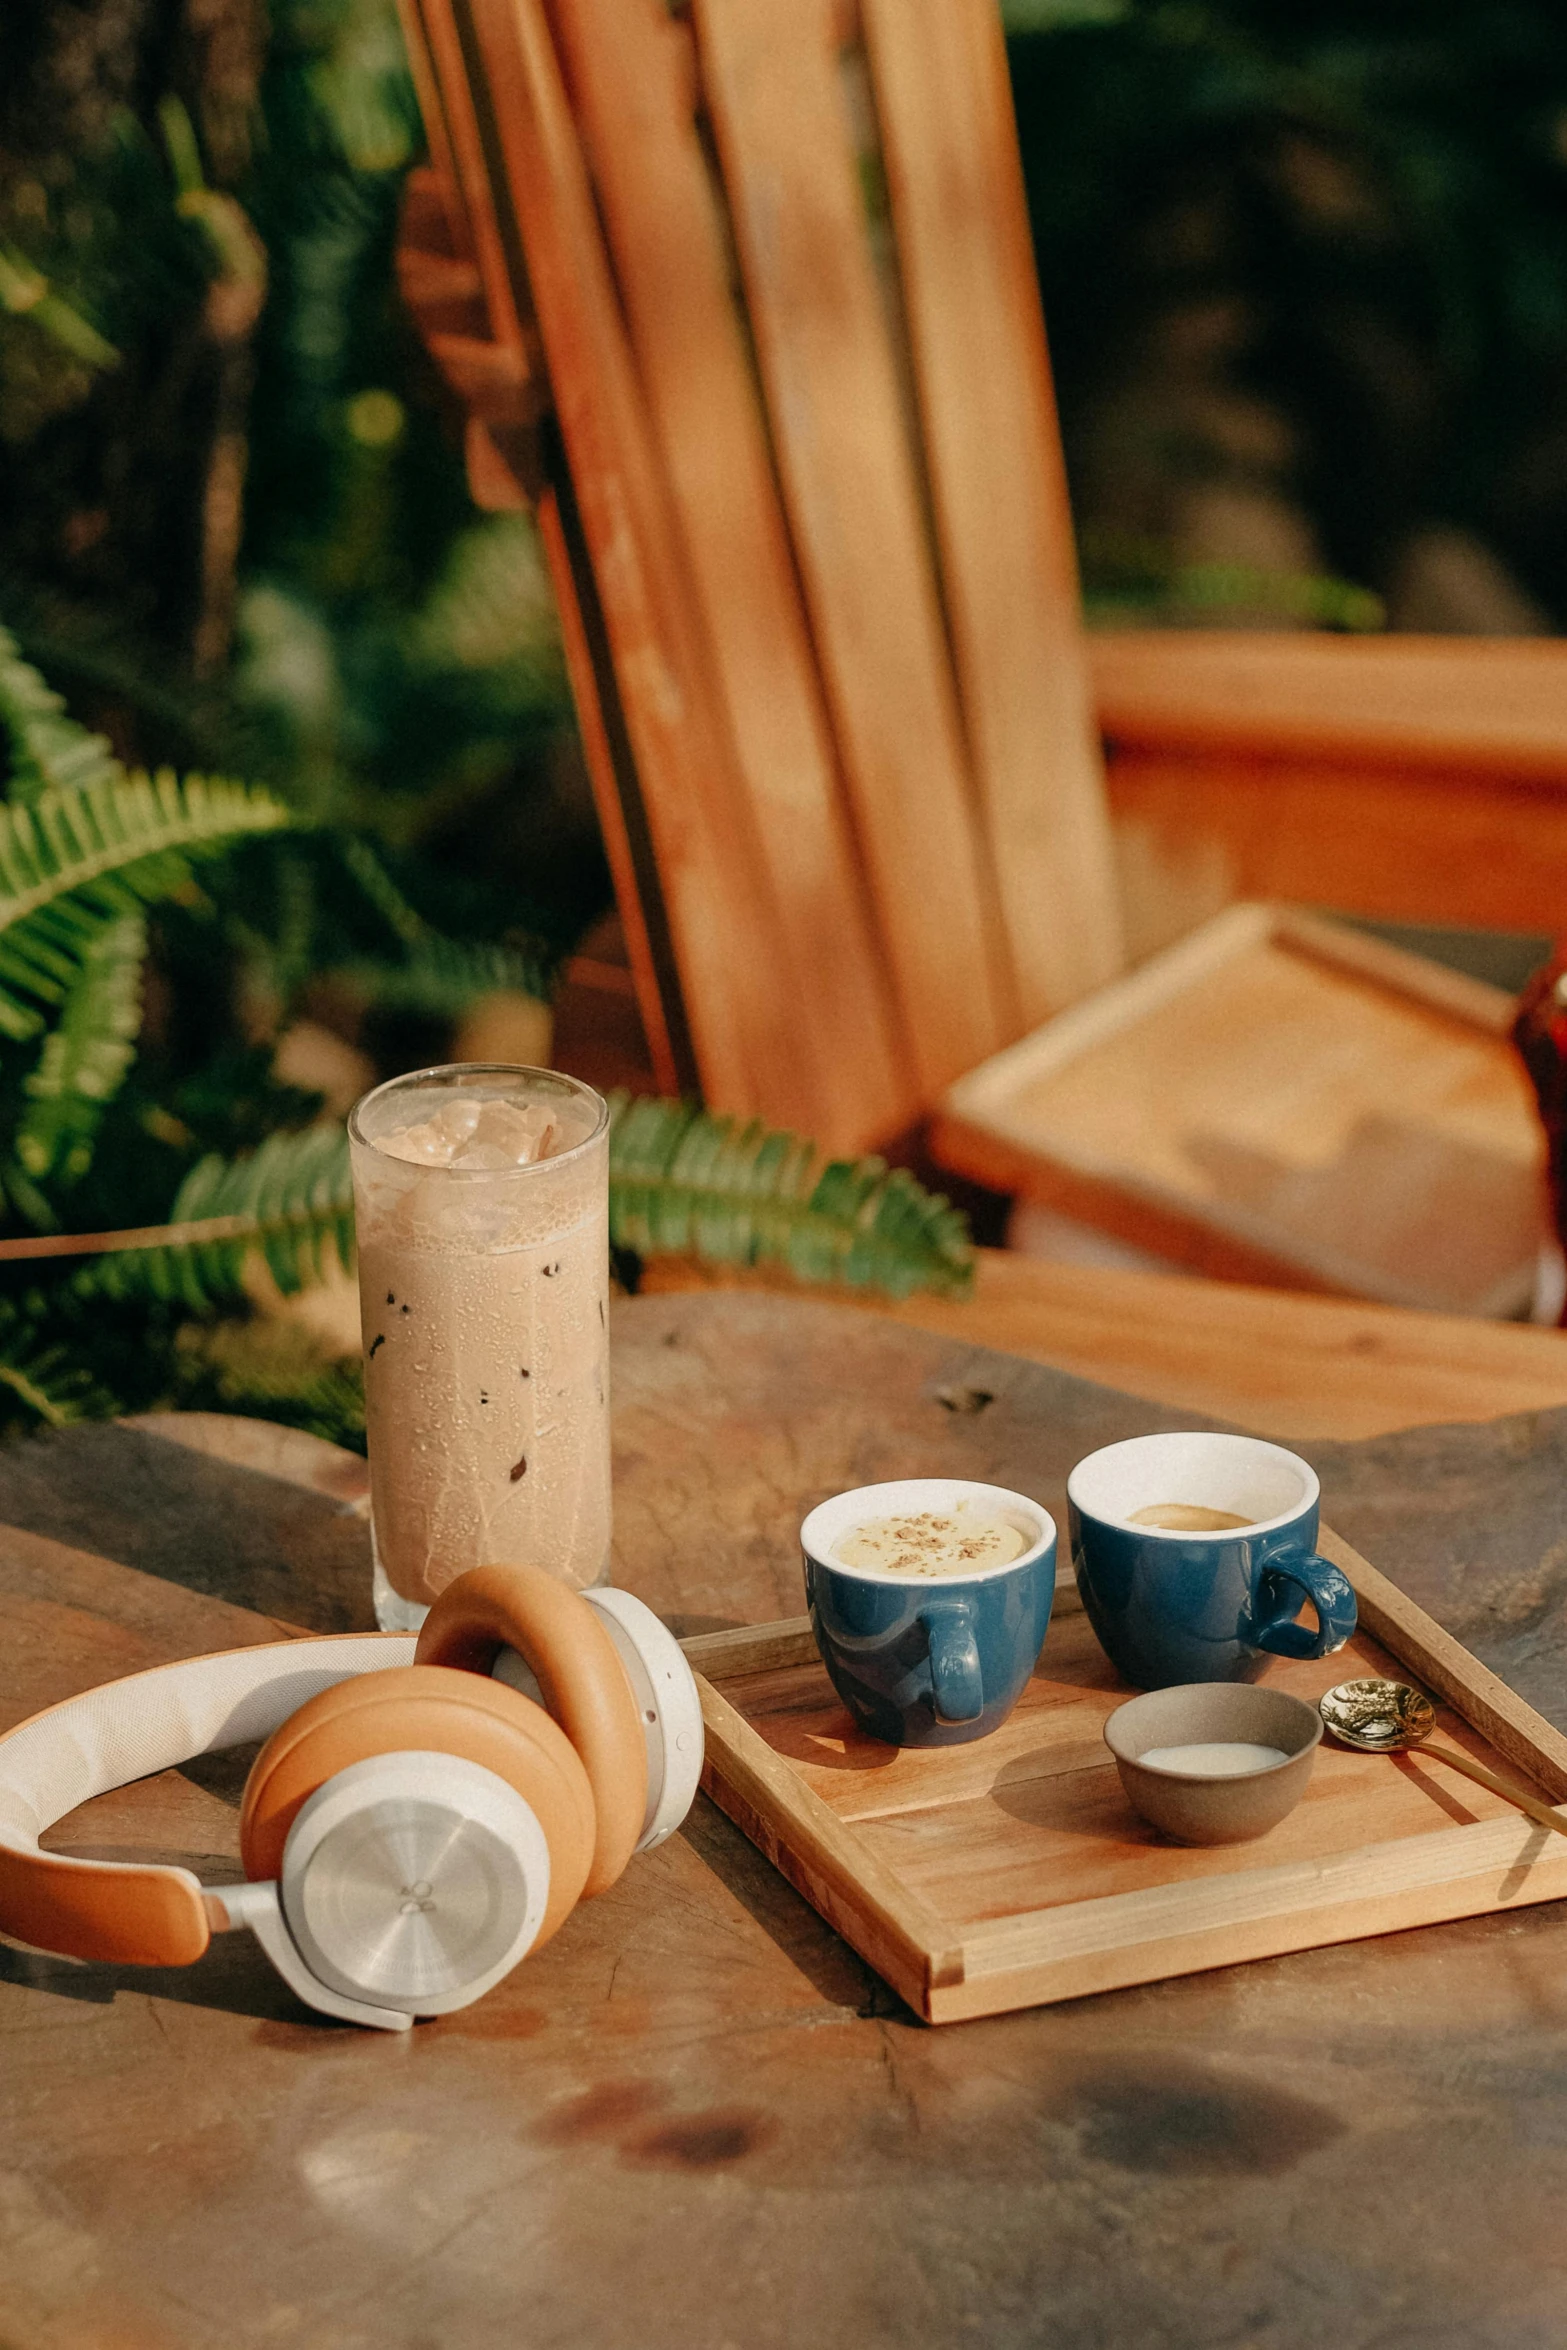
[
  {"x": 1013, "y": 1873},
  {"x": 998, "y": 485},
  {"x": 733, "y": 960},
  {"x": 632, "y": 81},
  {"x": 1277, "y": 1362},
  {"x": 1279, "y": 1099},
  {"x": 1417, "y": 779},
  {"x": 1195, "y": 831},
  {"x": 852, "y": 493},
  {"x": 1474, "y": 705},
  {"x": 434, "y": 46}
]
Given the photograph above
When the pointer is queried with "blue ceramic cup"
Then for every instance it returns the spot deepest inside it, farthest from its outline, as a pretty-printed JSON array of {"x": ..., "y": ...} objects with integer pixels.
[
  {"x": 927, "y": 1660},
  {"x": 1171, "y": 1605}
]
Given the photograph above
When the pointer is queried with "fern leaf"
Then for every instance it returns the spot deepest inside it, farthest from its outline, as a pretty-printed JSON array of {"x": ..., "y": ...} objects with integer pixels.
[
  {"x": 86, "y": 1056},
  {"x": 438, "y": 974},
  {"x": 402, "y": 919},
  {"x": 271, "y": 1369},
  {"x": 43, "y": 1384},
  {"x": 75, "y": 861},
  {"x": 686, "y": 1184},
  {"x": 443, "y": 976},
  {"x": 292, "y": 1201},
  {"x": 49, "y": 751}
]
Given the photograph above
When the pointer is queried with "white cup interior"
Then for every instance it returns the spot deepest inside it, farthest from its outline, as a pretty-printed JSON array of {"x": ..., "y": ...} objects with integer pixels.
[
  {"x": 832, "y": 1519},
  {"x": 1261, "y": 1483}
]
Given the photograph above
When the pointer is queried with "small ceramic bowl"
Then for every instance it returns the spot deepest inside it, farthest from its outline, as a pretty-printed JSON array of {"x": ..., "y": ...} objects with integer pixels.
[{"x": 1198, "y": 1809}]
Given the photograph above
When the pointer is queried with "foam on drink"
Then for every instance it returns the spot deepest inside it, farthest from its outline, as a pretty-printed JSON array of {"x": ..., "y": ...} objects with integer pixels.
[
  {"x": 1187, "y": 1517},
  {"x": 958, "y": 1541}
]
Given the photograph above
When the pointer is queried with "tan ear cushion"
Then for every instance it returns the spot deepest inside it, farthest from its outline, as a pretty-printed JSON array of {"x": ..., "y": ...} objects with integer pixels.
[
  {"x": 414, "y": 1709},
  {"x": 583, "y": 1681}
]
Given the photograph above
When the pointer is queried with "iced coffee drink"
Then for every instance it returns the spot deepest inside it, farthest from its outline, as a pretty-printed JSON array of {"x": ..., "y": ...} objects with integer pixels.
[{"x": 481, "y": 1197}]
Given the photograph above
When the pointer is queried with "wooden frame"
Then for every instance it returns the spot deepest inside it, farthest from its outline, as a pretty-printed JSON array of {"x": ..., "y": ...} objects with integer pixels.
[{"x": 1232, "y": 1904}]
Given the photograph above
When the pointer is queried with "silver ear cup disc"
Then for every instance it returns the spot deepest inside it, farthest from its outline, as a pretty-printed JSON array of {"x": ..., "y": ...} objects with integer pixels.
[
  {"x": 416, "y": 1880},
  {"x": 410, "y": 1898}
]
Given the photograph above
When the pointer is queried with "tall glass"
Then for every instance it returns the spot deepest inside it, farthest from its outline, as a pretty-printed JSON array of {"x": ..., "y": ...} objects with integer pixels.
[{"x": 483, "y": 1292}]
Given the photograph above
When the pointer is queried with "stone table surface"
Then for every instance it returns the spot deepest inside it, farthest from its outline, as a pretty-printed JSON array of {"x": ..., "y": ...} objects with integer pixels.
[{"x": 697, "y": 2119}]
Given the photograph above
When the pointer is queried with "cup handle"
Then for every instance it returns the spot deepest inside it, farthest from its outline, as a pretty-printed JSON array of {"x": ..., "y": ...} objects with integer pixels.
[
  {"x": 1330, "y": 1592},
  {"x": 956, "y": 1687}
]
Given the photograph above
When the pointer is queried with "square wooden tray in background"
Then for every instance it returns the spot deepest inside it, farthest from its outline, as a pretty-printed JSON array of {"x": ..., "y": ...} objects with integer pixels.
[
  {"x": 1279, "y": 1099},
  {"x": 1012, "y": 1872}
]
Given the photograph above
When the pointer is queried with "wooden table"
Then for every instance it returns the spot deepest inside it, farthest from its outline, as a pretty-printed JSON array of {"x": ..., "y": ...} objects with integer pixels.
[
  {"x": 1278, "y": 1362},
  {"x": 696, "y": 2119}
]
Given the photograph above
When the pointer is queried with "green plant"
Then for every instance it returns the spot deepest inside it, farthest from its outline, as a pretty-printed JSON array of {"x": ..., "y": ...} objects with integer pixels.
[
  {"x": 94, "y": 1320},
  {"x": 197, "y": 294},
  {"x": 682, "y": 1183},
  {"x": 85, "y": 849},
  {"x": 1314, "y": 258}
]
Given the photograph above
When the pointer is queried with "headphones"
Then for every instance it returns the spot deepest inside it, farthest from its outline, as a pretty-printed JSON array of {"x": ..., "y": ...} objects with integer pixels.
[{"x": 422, "y": 1815}]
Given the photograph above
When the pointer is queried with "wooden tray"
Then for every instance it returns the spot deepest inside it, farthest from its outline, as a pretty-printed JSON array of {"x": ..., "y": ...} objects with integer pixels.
[
  {"x": 1012, "y": 1872},
  {"x": 1279, "y": 1099}
]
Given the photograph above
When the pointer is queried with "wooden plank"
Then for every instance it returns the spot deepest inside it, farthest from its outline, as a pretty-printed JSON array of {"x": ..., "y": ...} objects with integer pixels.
[
  {"x": 852, "y": 493},
  {"x": 721, "y": 1655},
  {"x": 998, "y": 485},
  {"x": 1472, "y": 1002},
  {"x": 1284, "y": 1365},
  {"x": 734, "y": 969},
  {"x": 1351, "y": 1116},
  {"x": 1477, "y": 705},
  {"x": 631, "y": 75},
  {"x": 1196, "y": 830},
  {"x": 1153, "y": 1227},
  {"x": 437, "y": 42},
  {"x": 1183, "y": 1929},
  {"x": 442, "y": 166}
]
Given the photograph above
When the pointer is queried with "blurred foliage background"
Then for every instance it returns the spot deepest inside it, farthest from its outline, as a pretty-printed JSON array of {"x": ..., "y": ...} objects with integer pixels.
[
  {"x": 234, "y": 529},
  {"x": 1305, "y": 273}
]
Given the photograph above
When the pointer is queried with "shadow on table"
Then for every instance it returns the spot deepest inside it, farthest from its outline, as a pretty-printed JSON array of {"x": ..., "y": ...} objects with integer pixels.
[
  {"x": 836, "y": 1972},
  {"x": 232, "y": 1978},
  {"x": 234, "y": 1534}
]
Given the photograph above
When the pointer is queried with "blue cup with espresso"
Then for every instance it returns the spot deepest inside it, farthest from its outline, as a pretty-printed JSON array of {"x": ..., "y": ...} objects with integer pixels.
[
  {"x": 1194, "y": 1554},
  {"x": 930, "y": 1599}
]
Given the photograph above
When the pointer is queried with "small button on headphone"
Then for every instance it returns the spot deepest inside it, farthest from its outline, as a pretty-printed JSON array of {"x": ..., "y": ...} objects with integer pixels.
[{"x": 422, "y": 1815}]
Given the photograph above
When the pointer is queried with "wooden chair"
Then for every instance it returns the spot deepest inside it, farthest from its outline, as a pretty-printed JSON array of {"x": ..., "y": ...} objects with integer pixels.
[{"x": 741, "y": 300}]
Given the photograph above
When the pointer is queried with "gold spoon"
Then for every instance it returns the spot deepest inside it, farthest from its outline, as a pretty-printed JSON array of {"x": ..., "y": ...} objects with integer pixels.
[{"x": 1386, "y": 1717}]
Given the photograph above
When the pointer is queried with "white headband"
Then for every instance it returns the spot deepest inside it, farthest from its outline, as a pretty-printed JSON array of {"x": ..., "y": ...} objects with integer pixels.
[{"x": 150, "y": 1721}]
